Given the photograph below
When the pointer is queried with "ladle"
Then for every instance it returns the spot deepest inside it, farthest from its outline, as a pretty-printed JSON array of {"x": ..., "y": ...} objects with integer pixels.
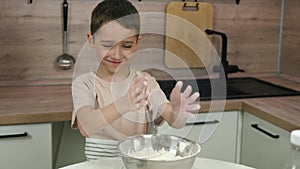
[{"x": 65, "y": 61}]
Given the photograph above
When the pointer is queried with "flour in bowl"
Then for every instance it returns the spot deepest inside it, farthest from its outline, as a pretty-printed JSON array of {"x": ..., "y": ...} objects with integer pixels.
[{"x": 159, "y": 155}]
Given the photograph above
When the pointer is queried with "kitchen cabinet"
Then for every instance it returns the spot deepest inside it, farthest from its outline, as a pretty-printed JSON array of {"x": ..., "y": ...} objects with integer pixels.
[
  {"x": 264, "y": 145},
  {"x": 26, "y": 146},
  {"x": 217, "y": 133},
  {"x": 70, "y": 144}
]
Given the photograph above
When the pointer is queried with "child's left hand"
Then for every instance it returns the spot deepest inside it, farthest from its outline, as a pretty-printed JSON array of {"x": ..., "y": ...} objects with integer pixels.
[{"x": 183, "y": 104}]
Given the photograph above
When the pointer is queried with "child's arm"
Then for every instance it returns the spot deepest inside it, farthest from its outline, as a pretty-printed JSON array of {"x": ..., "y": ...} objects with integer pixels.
[
  {"x": 91, "y": 121},
  {"x": 180, "y": 107}
]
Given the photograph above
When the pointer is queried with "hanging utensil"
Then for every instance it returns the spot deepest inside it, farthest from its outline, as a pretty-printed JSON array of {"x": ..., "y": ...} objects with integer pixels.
[{"x": 65, "y": 61}]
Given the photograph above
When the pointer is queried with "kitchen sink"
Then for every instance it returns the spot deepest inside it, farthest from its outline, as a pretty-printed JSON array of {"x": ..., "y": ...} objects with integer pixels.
[{"x": 233, "y": 88}]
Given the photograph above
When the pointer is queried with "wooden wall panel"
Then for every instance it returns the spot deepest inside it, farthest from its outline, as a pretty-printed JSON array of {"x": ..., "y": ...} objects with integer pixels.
[
  {"x": 31, "y": 35},
  {"x": 253, "y": 32},
  {"x": 31, "y": 38},
  {"x": 290, "y": 59}
]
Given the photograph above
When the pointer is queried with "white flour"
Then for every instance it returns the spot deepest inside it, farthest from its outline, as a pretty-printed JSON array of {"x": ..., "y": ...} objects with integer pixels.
[{"x": 160, "y": 155}]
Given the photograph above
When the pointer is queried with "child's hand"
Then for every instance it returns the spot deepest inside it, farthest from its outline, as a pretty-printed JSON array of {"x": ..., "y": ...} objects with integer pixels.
[
  {"x": 135, "y": 98},
  {"x": 137, "y": 92},
  {"x": 183, "y": 103}
]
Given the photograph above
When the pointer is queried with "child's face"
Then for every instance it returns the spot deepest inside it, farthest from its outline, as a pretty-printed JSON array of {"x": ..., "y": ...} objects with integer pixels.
[{"x": 114, "y": 45}]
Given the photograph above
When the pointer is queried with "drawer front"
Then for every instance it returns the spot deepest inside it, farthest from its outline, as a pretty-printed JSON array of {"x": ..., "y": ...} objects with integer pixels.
[
  {"x": 216, "y": 132},
  {"x": 264, "y": 145},
  {"x": 26, "y": 146}
]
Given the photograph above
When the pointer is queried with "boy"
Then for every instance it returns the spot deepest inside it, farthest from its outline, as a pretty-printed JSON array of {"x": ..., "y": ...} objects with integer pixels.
[{"x": 112, "y": 103}]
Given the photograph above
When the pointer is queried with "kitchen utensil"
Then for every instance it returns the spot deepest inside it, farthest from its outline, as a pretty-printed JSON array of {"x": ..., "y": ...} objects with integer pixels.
[
  {"x": 199, "y": 14},
  {"x": 65, "y": 61},
  {"x": 152, "y": 127},
  {"x": 186, "y": 151}
]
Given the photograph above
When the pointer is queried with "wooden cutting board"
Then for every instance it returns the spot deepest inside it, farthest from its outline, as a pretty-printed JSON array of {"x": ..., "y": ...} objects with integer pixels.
[{"x": 181, "y": 38}]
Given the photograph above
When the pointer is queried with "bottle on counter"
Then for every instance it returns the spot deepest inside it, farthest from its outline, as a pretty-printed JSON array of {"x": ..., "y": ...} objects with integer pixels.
[{"x": 294, "y": 161}]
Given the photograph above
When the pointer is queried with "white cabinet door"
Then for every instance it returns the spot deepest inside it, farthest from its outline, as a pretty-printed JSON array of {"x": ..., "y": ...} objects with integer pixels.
[
  {"x": 217, "y": 133},
  {"x": 26, "y": 146},
  {"x": 264, "y": 145}
]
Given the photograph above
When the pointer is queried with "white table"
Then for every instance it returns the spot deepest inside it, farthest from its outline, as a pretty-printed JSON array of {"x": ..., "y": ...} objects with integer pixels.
[{"x": 116, "y": 163}]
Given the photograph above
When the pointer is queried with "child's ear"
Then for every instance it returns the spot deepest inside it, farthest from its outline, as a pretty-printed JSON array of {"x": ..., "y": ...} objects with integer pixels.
[{"x": 90, "y": 39}]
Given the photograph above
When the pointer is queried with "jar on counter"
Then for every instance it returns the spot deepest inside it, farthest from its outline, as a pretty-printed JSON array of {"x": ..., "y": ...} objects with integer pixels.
[{"x": 294, "y": 162}]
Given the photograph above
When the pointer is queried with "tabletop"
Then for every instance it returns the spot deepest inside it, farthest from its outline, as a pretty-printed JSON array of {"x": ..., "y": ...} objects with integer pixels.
[{"x": 116, "y": 163}]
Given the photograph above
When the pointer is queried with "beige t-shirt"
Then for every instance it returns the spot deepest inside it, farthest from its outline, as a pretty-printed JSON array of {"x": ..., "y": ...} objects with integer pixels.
[{"x": 89, "y": 89}]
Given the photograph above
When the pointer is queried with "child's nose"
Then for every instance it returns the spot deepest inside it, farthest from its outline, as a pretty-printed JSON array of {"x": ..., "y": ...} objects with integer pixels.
[{"x": 116, "y": 53}]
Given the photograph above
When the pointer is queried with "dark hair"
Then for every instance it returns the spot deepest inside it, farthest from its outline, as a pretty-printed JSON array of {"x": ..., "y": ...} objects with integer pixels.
[{"x": 120, "y": 10}]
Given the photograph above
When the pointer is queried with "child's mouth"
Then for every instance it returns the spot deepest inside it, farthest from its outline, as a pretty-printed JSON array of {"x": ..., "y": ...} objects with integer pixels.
[{"x": 114, "y": 62}]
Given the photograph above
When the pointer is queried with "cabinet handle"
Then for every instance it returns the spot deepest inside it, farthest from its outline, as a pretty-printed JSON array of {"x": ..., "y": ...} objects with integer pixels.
[
  {"x": 264, "y": 131},
  {"x": 203, "y": 122},
  {"x": 25, "y": 134}
]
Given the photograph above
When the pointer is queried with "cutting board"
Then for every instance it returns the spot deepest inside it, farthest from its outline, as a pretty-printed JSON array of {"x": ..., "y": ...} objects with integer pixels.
[{"x": 185, "y": 25}]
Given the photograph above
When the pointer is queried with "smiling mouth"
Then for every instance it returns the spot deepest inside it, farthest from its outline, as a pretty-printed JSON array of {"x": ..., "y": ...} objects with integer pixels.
[{"x": 114, "y": 62}]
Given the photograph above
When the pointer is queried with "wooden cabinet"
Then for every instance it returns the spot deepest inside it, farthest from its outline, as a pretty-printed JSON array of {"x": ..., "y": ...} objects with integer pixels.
[
  {"x": 264, "y": 145},
  {"x": 26, "y": 146},
  {"x": 217, "y": 133}
]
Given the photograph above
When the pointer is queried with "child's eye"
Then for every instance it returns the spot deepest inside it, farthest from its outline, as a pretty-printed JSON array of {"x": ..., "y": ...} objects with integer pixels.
[
  {"x": 127, "y": 46},
  {"x": 107, "y": 45}
]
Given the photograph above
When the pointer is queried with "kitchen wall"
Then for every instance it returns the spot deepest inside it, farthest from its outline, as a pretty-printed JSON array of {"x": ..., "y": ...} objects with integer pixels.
[
  {"x": 31, "y": 35},
  {"x": 290, "y": 59}
]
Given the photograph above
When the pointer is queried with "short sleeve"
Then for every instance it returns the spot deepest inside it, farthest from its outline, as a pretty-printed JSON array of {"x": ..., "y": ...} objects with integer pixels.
[{"x": 83, "y": 94}]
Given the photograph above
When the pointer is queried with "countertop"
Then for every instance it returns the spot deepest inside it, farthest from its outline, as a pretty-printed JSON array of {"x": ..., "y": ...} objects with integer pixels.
[
  {"x": 116, "y": 163},
  {"x": 21, "y": 104}
]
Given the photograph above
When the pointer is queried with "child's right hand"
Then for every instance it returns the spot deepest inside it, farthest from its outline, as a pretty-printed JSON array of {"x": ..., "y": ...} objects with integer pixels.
[
  {"x": 137, "y": 92},
  {"x": 136, "y": 97}
]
